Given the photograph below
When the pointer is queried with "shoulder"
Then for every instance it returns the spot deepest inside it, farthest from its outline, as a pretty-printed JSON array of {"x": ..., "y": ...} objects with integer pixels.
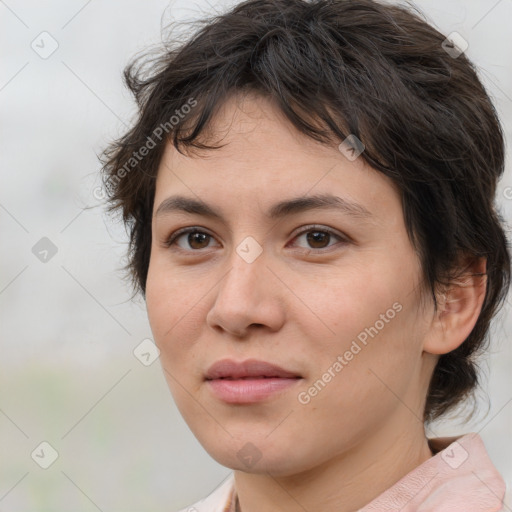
[{"x": 217, "y": 500}]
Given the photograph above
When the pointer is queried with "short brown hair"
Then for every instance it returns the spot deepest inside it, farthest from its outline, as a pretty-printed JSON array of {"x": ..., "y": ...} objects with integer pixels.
[{"x": 334, "y": 68}]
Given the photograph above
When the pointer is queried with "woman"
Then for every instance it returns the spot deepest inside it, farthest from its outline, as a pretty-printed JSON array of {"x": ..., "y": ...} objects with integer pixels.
[{"x": 310, "y": 195}]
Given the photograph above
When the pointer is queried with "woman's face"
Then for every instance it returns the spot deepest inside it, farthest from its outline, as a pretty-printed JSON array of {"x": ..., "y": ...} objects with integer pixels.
[{"x": 331, "y": 295}]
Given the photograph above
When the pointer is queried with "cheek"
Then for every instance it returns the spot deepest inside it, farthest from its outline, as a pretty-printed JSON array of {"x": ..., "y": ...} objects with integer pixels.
[
  {"x": 369, "y": 318},
  {"x": 174, "y": 312},
  {"x": 157, "y": 305},
  {"x": 163, "y": 305},
  {"x": 168, "y": 297},
  {"x": 351, "y": 301},
  {"x": 171, "y": 332}
]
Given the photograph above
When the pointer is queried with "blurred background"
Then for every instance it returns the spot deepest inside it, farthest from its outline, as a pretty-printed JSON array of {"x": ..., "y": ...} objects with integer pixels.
[{"x": 85, "y": 424}]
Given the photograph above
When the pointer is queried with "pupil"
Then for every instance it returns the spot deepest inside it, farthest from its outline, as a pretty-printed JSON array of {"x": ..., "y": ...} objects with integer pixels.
[
  {"x": 315, "y": 237},
  {"x": 193, "y": 237}
]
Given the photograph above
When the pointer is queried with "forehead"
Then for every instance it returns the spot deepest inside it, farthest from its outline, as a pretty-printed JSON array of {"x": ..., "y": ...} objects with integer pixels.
[{"x": 264, "y": 159}]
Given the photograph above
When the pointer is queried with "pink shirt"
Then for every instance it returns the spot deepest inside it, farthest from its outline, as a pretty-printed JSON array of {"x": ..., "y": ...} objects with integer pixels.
[{"x": 460, "y": 477}]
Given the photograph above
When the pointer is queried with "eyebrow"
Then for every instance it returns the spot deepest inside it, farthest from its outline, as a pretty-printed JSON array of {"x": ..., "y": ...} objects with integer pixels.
[{"x": 282, "y": 209}]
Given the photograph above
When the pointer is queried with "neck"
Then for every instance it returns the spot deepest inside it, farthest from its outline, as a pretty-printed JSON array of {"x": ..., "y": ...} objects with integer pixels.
[{"x": 345, "y": 483}]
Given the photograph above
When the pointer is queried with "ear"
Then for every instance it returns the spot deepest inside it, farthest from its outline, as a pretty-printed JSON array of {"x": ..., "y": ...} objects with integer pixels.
[{"x": 459, "y": 306}]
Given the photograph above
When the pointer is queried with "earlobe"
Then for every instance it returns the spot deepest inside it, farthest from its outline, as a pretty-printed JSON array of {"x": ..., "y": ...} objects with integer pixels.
[{"x": 459, "y": 306}]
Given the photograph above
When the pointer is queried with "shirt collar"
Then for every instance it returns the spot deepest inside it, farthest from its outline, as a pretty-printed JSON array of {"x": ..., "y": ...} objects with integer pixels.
[{"x": 459, "y": 477}]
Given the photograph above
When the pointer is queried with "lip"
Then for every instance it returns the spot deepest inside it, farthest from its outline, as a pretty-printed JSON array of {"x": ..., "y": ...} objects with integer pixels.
[
  {"x": 228, "y": 368},
  {"x": 248, "y": 381}
]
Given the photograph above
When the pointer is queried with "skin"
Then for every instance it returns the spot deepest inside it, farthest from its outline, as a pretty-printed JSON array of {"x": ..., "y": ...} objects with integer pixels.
[{"x": 298, "y": 305}]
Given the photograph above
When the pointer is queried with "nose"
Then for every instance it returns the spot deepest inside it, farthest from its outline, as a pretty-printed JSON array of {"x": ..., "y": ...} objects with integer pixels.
[{"x": 249, "y": 296}]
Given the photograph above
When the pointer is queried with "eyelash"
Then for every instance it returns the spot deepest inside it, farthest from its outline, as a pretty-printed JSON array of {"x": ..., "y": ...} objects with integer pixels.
[{"x": 170, "y": 241}]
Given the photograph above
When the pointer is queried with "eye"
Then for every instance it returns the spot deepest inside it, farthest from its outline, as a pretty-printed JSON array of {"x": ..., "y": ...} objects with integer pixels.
[
  {"x": 196, "y": 239},
  {"x": 318, "y": 237}
]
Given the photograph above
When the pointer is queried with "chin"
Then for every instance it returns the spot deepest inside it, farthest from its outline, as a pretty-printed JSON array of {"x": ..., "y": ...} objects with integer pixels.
[{"x": 254, "y": 456}]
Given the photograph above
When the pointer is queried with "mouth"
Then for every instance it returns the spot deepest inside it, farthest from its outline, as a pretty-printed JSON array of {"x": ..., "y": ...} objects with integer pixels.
[
  {"x": 248, "y": 381},
  {"x": 249, "y": 369},
  {"x": 247, "y": 378}
]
